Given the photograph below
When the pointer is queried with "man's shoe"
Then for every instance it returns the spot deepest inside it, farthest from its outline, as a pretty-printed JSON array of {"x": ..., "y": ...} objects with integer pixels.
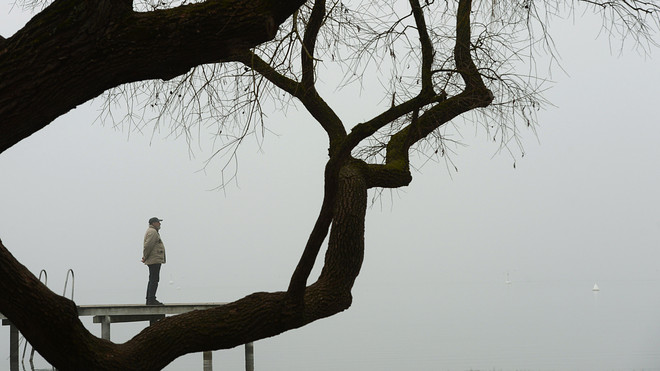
[{"x": 153, "y": 302}]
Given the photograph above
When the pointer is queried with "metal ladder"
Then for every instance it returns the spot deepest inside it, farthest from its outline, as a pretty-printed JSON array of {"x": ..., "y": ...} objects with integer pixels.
[{"x": 44, "y": 274}]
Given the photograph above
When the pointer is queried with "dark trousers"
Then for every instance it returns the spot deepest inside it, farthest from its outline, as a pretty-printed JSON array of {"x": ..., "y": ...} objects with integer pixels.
[{"x": 154, "y": 277}]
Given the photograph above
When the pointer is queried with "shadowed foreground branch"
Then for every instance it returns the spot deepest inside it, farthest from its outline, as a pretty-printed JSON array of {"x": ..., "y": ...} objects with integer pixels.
[{"x": 257, "y": 316}]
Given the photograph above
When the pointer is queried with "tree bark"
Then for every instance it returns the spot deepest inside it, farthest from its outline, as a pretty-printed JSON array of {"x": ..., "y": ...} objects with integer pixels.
[{"x": 74, "y": 50}]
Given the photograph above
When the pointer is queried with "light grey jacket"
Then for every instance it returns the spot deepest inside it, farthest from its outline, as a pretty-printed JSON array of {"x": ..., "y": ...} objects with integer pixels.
[{"x": 154, "y": 249}]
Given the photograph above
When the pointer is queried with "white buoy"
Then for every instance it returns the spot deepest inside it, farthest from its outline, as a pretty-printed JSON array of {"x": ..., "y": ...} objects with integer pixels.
[{"x": 596, "y": 288}]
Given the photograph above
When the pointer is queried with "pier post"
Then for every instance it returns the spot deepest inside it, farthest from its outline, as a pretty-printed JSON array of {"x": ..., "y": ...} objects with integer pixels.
[
  {"x": 13, "y": 348},
  {"x": 208, "y": 360},
  {"x": 249, "y": 357},
  {"x": 105, "y": 327}
]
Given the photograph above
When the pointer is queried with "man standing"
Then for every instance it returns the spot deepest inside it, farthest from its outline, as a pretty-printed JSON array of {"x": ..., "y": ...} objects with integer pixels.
[{"x": 153, "y": 255}]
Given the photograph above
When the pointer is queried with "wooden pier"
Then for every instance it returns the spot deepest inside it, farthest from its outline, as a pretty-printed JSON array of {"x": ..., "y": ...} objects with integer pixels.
[{"x": 107, "y": 314}]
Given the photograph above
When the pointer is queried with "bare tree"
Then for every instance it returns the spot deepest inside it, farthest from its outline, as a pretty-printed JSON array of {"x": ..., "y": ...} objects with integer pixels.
[{"x": 449, "y": 63}]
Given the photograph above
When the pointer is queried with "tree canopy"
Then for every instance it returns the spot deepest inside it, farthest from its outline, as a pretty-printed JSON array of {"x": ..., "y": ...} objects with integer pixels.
[{"x": 213, "y": 61}]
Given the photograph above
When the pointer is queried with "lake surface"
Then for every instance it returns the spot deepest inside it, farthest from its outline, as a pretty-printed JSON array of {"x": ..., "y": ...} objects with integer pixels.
[{"x": 537, "y": 326}]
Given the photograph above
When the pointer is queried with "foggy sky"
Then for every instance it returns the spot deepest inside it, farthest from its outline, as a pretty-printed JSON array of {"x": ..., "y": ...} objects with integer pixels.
[{"x": 580, "y": 206}]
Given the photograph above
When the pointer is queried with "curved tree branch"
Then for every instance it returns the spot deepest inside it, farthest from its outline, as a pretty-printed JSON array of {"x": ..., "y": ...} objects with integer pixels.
[
  {"x": 328, "y": 119},
  {"x": 474, "y": 95},
  {"x": 427, "y": 47},
  {"x": 305, "y": 265},
  {"x": 426, "y": 96},
  {"x": 305, "y": 89},
  {"x": 309, "y": 42},
  {"x": 254, "y": 317},
  {"x": 249, "y": 59},
  {"x": 462, "y": 51}
]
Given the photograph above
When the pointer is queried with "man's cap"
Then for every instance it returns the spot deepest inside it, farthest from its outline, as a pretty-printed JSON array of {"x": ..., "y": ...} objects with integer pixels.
[{"x": 154, "y": 220}]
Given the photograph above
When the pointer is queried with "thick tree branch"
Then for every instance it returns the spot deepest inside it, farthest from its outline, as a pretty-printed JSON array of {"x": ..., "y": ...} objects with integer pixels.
[
  {"x": 462, "y": 51},
  {"x": 309, "y": 42},
  {"x": 426, "y": 95},
  {"x": 319, "y": 232},
  {"x": 399, "y": 175},
  {"x": 255, "y": 62},
  {"x": 305, "y": 89},
  {"x": 309, "y": 97},
  {"x": 85, "y": 48},
  {"x": 325, "y": 116},
  {"x": 363, "y": 130},
  {"x": 427, "y": 47},
  {"x": 475, "y": 94}
]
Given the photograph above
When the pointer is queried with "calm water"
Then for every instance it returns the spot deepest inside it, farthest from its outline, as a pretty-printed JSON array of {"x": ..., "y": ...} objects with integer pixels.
[{"x": 534, "y": 326}]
